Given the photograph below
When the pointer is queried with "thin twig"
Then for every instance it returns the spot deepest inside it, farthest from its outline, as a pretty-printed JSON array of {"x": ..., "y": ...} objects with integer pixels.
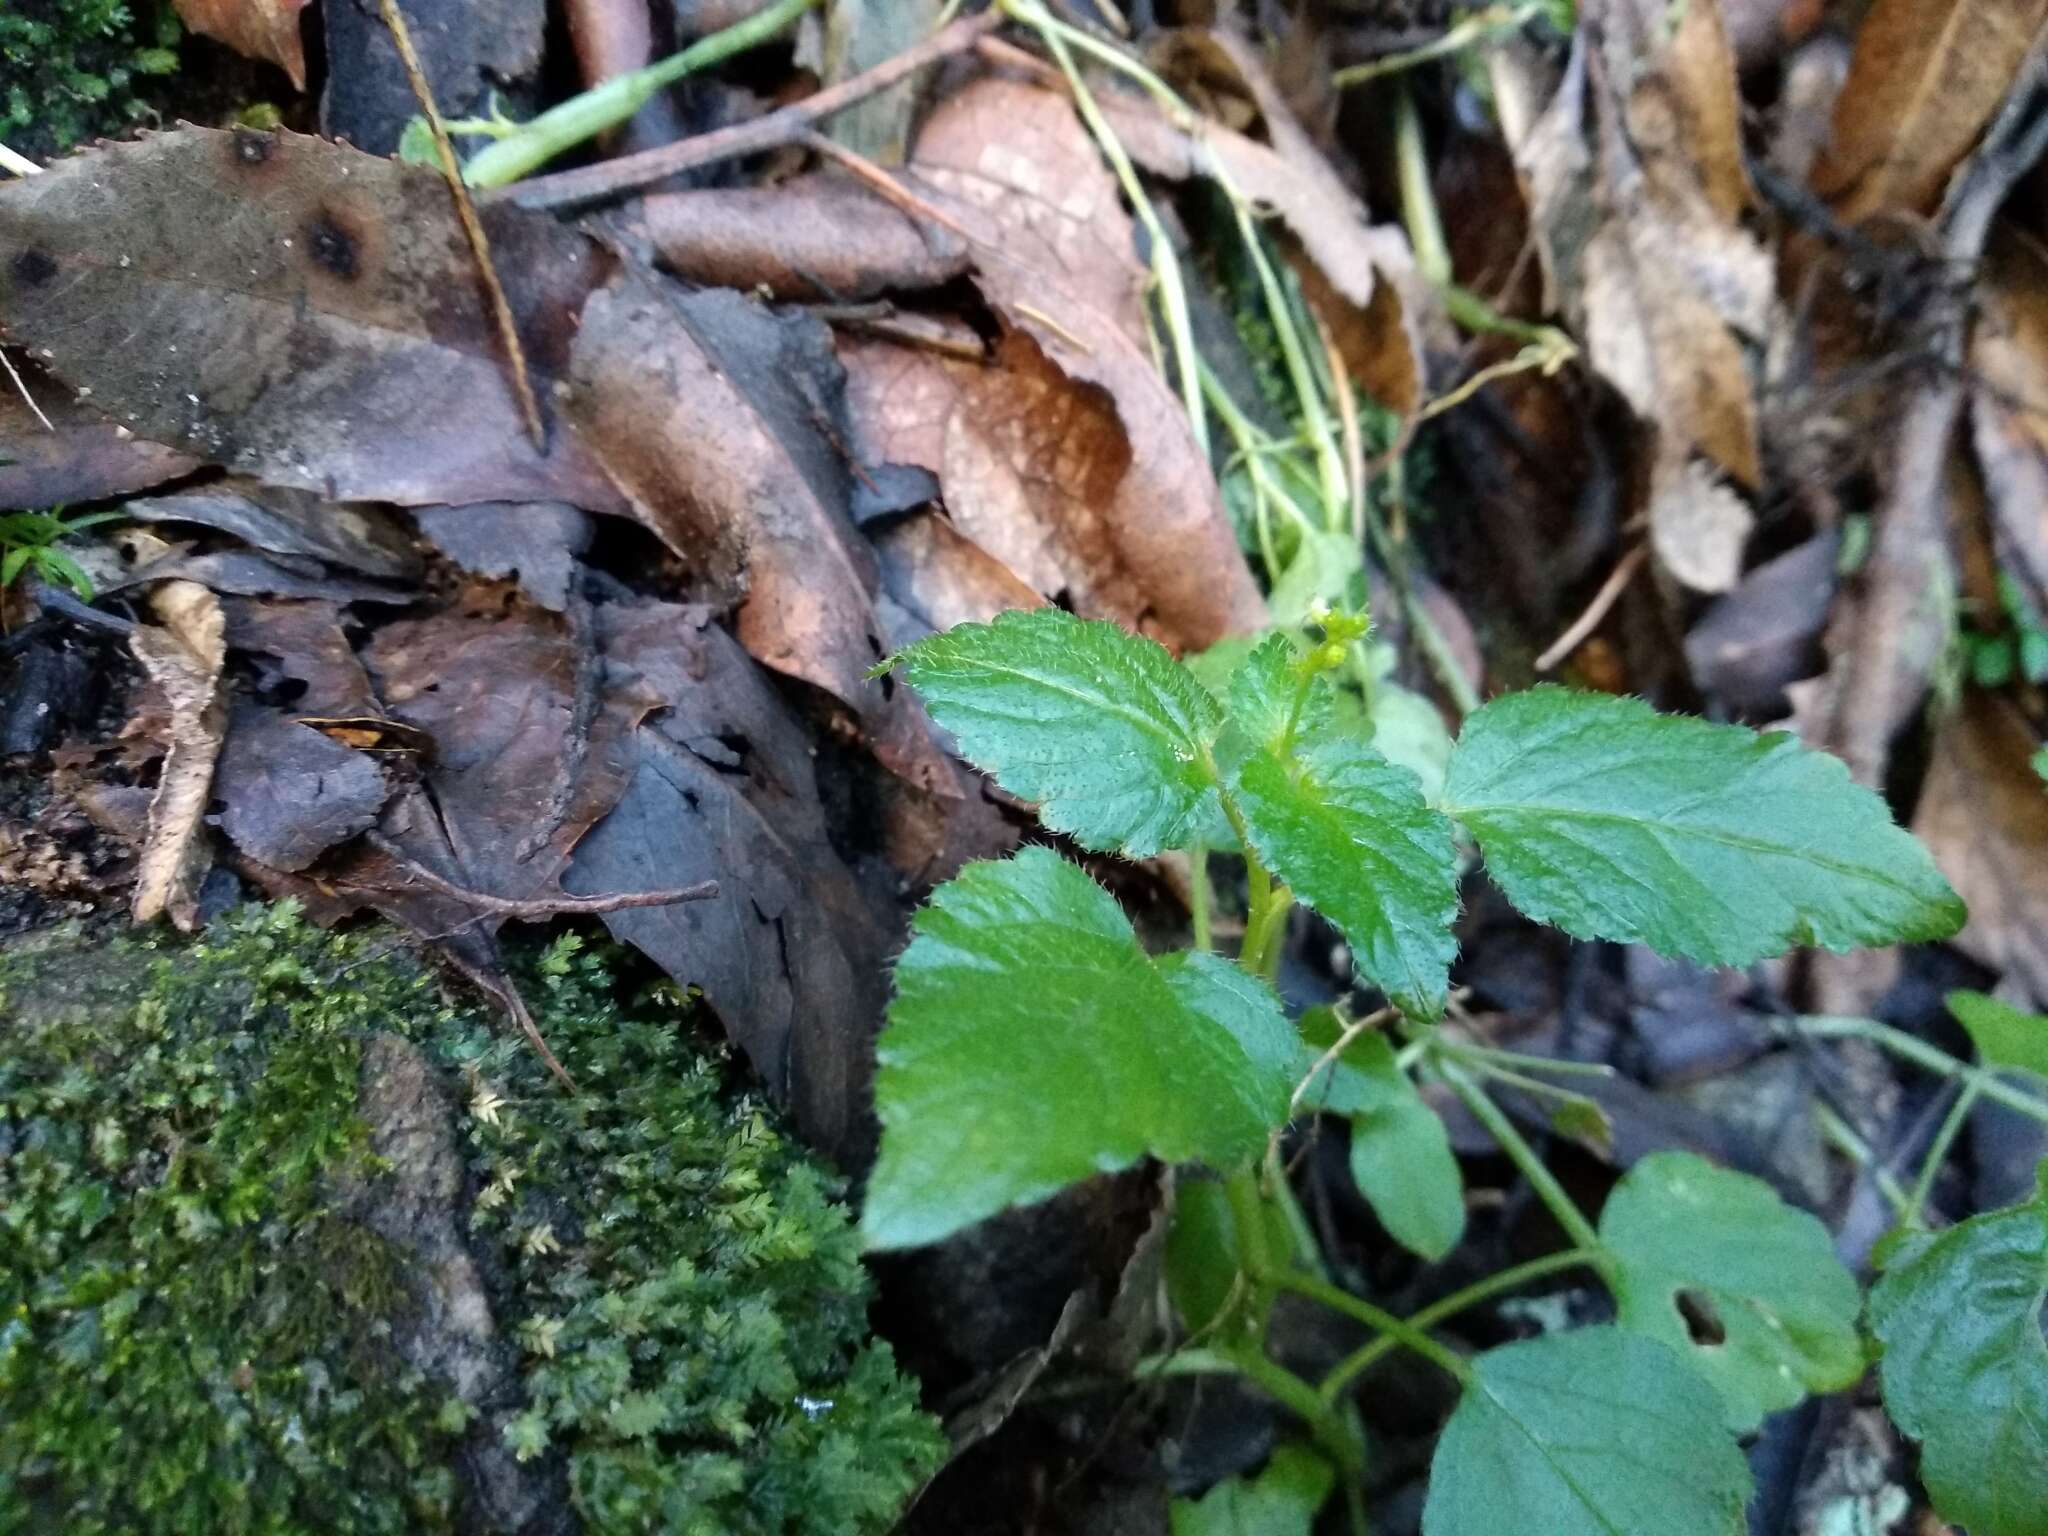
[
  {"x": 8, "y": 363},
  {"x": 591, "y": 183},
  {"x": 540, "y": 906},
  {"x": 472, "y": 226},
  {"x": 507, "y": 994},
  {"x": 1610, "y": 593},
  {"x": 885, "y": 186}
]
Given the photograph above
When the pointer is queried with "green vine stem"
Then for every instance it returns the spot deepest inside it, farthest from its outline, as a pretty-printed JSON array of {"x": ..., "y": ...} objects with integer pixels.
[
  {"x": 1937, "y": 1151},
  {"x": 1398, "y": 1330},
  {"x": 1931, "y": 1057},
  {"x": 1360, "y": 1360},
  {"x": 612, "y": 102},
  {"x": 1516, "y": 1146}
]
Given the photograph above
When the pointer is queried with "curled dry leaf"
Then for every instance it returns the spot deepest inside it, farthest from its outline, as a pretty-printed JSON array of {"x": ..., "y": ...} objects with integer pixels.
[
  {"x": 1984, "y": 816},
  {"x": 1924, "y": 80},
  {"x": 2009, "y": 406},
  {"x": 296, "y": 310},
  {"x": 262, "y": 29},
  {"x": 1069, "y": 459},
  {"x": 183, "y": 656}
]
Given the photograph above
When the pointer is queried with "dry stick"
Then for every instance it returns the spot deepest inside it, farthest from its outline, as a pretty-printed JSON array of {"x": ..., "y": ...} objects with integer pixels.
[
  {"x": 472, "y": 226},
  {"x": 508, "y": 995},
  {"x": 1610, "y": 592},
  {"x": 27, "y": 398},
  {"x": 590, "y": 183},
  {"x": 540, "y": 906},
  {"x": 1911, "y": 535}
]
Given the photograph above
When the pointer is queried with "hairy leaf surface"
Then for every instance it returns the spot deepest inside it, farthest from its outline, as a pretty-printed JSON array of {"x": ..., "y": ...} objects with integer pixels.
[
  {"x": 1032, "y": 1043},
  {"x": 1351, "y": 834},
  {"x": 1710, "y": 841},
  {"x": 1966, "y": 1368},
  {"x": 1106, "y": 731},
  {"x": 1748, "y": 1267}
]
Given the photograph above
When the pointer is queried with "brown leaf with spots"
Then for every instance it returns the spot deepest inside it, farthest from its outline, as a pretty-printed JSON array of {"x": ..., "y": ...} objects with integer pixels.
[
  {"x": 1984, "y": 815},
  {"x": 183, "y": 656},
  {"x": 80, "y": 456},
  {"x": 1068, "y": 457},
  {"x": 1924, "y": 80},
  {"x": 297, "y": 310},
  {"x": 262, "y": 29}
]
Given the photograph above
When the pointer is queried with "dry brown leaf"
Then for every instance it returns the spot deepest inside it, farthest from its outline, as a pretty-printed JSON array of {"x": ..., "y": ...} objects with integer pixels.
[
  {"x": 85, "y": 458},
  {"x": 297, "y": 310},
  {"x": 183, "y": 657},
  {"x": 715, "y": 419},
  {"x": 1082, "y": 439},
  {"x": 1925, "y": 78},
  {"x": 1984, "y": 815},
  {"x": 944, "y": 578},
  {"x": 1698, "y": 527},
  {"x": 261, "y": 29},
  {"x": 2009, "y": 406}
]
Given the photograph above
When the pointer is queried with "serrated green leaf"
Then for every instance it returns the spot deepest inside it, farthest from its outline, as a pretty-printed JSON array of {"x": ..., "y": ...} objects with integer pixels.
[
  {"x": 1263, "y": 690},
  {"x": 1744, "y": 1262},
  {"x": 1032, "y": 1043},
  {"x": 1281, "y": 1501},
  {"x": 2004, "y": 1036},
  {"x": 1596, "y": 1432},
  {"x": 1965, "y": 1367},
  {"x": 1351, "y": 834},
  {"x": 1103, "y": 729},
  {"x": 1327, "y": 571},
  {"x": 1612, "y": 821}
]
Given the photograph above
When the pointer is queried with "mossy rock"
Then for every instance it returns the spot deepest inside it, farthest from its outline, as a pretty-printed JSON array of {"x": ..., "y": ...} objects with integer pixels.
[
  {"x": 291, "y": 1242},
  {"x": 75, "y": 69}
]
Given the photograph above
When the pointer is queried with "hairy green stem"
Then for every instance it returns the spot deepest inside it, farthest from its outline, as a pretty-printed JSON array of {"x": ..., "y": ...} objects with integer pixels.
[
  {"x": 1516, "y": 1146},
  {"x": 1859, "y": 1151},
  {"x": 1361, "y": 1360},
  {"x": 1199, "y": 895},
  {"x": 612, "y": 102},
  {"x": 1378, "y": 1319}
]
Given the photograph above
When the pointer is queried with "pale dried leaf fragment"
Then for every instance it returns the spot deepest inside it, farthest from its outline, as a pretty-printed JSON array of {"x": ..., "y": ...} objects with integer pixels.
[
  {"x": 1984, "y": 815},
  {"x": 1924, "y": 80},
  {"x": 183, "y": 657},
  {"x": 261, "y": 29},
  {"x": 2009, "y": 406},
  {"x": 1698, "y": 527}
]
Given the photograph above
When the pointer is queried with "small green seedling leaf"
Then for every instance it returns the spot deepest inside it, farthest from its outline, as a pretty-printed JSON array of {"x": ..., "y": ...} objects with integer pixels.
[
  {"x": 1743, "y": 1285},
  {"x": 1281, "y": 1501},
  {"x": 1262, "y": 695},
  {"x": 1033, "y": 1043},
  {"x": 1966, "y": 1368},
  {"x": 1104, "y": 730},
  {"x": 1615, "y": 822},
  {"x": 1596, "y": 1432},
  {"x": 1401, "y": 1156},
  {"x": 2005, "y": 1037},
  {"x": 1351, "y": 834},
  {"x": 1204, "y": 1260}
]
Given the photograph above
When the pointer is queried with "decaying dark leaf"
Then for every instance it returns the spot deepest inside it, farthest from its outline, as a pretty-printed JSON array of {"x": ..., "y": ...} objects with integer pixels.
[
  {"x": 468, "y": 49},
  {"x": 303, "y": 657},
  {"x": 297, "y": 311},
  {"x": 533, "y": 543},
  {"x": 291, "y": 792},
  {"x": 722, "y": 785},
  {"x": 942, "y": 577},
  {"x": 2009, "y": 407},
  {"x": 1984, "y": 815},
  {"x": 85, "y": 458},
  {"x": 361, "y": 540}
]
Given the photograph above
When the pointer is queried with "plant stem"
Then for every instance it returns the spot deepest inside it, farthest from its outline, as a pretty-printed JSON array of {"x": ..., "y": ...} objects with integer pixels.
[
  {"x": 1364, "y": 1358},
  {"x": 612, "y": 102},
  {"x": 1475, "y": 28},
  {"x": 1418, "y": 202},
  {"x": 1853, "y": 1146},
  {"x": 1199, "y": 894},
  {"x": 1264, "y": 926},
  {"x": 1932, "y": 1057},
  {"x": 1937, "y": 1150},
  {"x": 1396, "y": 1329},
  {"x": 1541, "y": 1179}
]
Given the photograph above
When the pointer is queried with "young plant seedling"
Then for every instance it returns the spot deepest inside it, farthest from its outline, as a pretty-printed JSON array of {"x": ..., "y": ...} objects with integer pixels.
[{"x": 1033, "y": 1042}]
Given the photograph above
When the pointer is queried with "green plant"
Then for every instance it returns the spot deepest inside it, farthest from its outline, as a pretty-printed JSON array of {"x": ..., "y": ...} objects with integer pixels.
[
  {"x": 70, "y": 68},
  {"x": 28, "y": 542},
  {"x": 1033, "y": 1042},
  {"x": 198, "y": 1322}
]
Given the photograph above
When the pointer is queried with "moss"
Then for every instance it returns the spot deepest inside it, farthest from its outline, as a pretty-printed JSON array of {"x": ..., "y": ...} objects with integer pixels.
[
  {"x": 72, "y": 69},
  {"x": 200, "y": 1328}
]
